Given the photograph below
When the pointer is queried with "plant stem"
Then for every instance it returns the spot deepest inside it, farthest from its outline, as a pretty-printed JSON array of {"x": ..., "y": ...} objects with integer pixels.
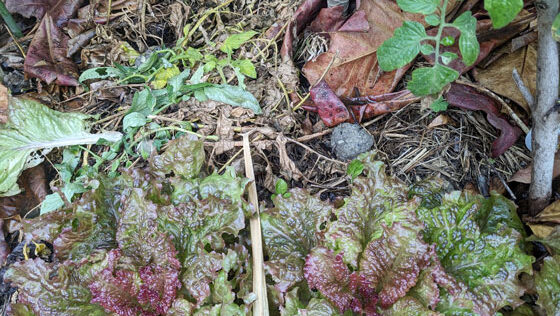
[
  {"x": 546, "y": 118},
  {"x": 442, "y": 24},
  {"x": 9, "y": 20}
]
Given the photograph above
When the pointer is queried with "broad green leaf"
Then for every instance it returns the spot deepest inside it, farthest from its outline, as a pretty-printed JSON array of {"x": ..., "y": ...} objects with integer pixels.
[
  {"x": 432, "y": 20},
  {"x": 315, "y": 307},
  {"x": 246, "y": 67},
  {"x": 143, "y": 102},
  {"x": 426, "y": 81},
  {"x": 100, "y": 73},
  {"x": 502, "y": 12},
  {"x": 427, "y": 49},
  {"x": 163, "y": 75},
  {"x": 233, "y": 95},
  {"x": 468, "y": 43},
  {"x": 547, "y": 282},
  {"x": 134, "y": 119},
  {"x": 401, "y": 49},
  {"x": 419, "y": 6},
  {"x": 33, "y": 127},
  {"x": 175, "y": 84},
  {"x": 51, "y": 202},
  {"x": 439, "y": 105},
  {"x": 556, "y": 28},
  {"x": 235, "y": 41},
  {"x": 227, "y": 186},
  {"x": 193, "y": 55}
]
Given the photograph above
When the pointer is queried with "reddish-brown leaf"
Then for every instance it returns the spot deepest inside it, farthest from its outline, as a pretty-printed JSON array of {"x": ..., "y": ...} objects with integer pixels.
[
  {"x": 469, "y": 98},
  {"x": 34, "y": 185}
]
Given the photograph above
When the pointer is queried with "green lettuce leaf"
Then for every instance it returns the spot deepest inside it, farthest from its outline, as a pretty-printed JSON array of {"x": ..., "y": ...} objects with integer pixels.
[
  {"x": 48, "y": 293},
  {"x": 478, "y": 244},
  {"x": 32, "y": 128},
  {"x": 547, "y": 282},
  {"x": 183, "y": 157},
  {"x": 290, "y": 232}
]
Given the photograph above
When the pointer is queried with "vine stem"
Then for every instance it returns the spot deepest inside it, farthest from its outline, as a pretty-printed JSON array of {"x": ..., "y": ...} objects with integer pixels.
[{"x": 442, "y": 24}]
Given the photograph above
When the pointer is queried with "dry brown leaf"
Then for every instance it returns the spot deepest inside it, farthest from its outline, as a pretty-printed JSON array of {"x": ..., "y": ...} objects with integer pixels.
[
  {"x": 354, "y": 53},
  {"x": 440, "y": 120},
  {"x": 498, "y": 76},
  {"x": 551, "y": 214},
  {"x": 541, "y": 231},
  {"x": 289, "y": 168},
  {"x": 524, "y": 175}
]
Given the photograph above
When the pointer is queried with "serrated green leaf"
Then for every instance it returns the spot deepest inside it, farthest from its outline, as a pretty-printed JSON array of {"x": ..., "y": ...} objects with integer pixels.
[
  {"x": 193, "y": 55},
  {"x": 246, "y": 67},
  {"x": 419, "y": 6},
  {"x": 33, "y": 127},
  {"x": 502, "y": 12},
  {"x": 100, "y": 73},
  {"x": 432, "y": 20},
  {"x": 426, "y": 81},
  {"x": 134, "y": 119},
  {"x": 51, "y": 202},
  {"x": 427, "y": 49},
  {"x": 556, "y": 28},
  {"x": 448, "y": 57},
  {"x": 233, "y": 95},
  {"x": 439, "y": 105},
  {"x": 235, "y": 41},
  {"x": 401, "y": 49},
  {"x": 468, "y": 43}
]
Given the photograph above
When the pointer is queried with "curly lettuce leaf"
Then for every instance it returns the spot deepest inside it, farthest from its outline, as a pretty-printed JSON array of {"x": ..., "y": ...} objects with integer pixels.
[
  {"x": 478, "y": 245},
  {"x": 547, "y": 282},
  {"x": 33, "y": 127},
  {"x": 183, "y": 157},
  {"x": 48, "y": 293},
  {"x": 315, "y": 307},
  {"x": 290, "y": 232}
]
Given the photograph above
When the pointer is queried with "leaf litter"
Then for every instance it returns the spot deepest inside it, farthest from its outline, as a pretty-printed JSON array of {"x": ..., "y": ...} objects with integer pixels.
[{"x": 158, "y": 101}]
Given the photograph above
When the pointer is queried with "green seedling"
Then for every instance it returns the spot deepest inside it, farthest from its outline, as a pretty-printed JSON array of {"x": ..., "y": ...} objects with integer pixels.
[
  {"x": 355, "y": 168},
  {"x": 281, "y": 189}
]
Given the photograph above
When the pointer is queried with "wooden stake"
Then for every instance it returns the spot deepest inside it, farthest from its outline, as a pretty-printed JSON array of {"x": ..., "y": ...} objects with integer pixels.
[{"x": 260, "y": 307}]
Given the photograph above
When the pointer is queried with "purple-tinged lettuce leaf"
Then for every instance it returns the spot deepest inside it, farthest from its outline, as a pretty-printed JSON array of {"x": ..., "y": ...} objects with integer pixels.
[
  {"x": 183, "y": 157},
  {"x": 477, "y": 246},
  {"x": 125, "y": 289},
  {"x": 547, "y": 282},
  {"x": 376, "y": 199},
  {"x": 326, "y": 271},
  {"x": 290, "y": 231},
  {"x": 49, "y": 293}
]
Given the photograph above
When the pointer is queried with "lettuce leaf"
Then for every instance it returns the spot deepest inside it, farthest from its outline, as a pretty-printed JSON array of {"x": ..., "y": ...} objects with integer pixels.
[
  {"x": 33, "y": 127},
  {"x": 290, "y": 232},
  {"x": 547, "y": 282}
]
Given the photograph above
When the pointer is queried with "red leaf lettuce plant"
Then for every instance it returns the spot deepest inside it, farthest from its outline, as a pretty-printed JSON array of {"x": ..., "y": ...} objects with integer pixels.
[
  {"x": 391, "y": 250},
  {"x": 162, "y": 240}
]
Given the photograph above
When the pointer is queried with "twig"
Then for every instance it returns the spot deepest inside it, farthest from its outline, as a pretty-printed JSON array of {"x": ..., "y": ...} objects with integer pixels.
[
  {"x": 525, "y": 92},
  {"x": 259, "y": 286}
]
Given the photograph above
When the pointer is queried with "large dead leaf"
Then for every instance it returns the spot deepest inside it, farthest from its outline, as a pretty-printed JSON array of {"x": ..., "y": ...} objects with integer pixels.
[
  {"x": 34, "y": 184},
  {"x": 354, "y": 52},
  {"x": 498, "y": 76},
  {"x": 46, "y": 58},
  {"x": 47, "y": 54},
  {"x": 469, "y": 98}
]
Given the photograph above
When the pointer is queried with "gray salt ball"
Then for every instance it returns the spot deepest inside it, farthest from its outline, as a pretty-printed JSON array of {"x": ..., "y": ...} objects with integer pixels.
[{"x": 350, "y": 140}]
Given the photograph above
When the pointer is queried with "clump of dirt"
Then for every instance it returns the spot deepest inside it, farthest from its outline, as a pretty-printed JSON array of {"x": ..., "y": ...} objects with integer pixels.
[{"x": 350, "y": 140}]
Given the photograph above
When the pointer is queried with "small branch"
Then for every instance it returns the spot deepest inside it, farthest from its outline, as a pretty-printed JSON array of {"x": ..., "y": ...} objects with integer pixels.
[
  {"x": 525, "y": 92},
  {"x": 545, "y": 119}
]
